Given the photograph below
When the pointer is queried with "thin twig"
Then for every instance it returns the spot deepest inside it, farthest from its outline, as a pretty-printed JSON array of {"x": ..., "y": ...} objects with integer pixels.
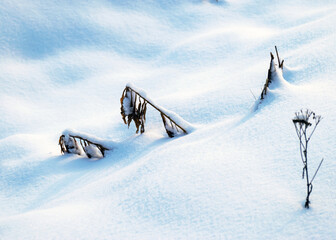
[
  {"x": 316, "y": 171},
  {"x": 313, "y": 130},
  {"x": 253, "y": 95},
  {"x": 276, "y": 49}
]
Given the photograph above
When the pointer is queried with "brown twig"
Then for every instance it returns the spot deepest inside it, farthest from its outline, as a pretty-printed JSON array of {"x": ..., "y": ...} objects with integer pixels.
[
  {"x": 268, "y": 80},
  {"x": 276, "y": 50}
]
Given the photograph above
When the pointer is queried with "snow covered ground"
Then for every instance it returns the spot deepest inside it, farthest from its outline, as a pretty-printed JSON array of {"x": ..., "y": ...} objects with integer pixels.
[{"x": 64, "y": 64}]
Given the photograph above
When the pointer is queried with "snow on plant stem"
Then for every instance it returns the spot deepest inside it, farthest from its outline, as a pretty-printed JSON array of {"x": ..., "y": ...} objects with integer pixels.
[{"x": 132, "y": 102}]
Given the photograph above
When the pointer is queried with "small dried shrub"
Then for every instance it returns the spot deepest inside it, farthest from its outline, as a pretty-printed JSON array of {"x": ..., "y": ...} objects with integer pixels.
[
  {"x": 134, "y": 107},
  {"x": 79, "y": 145},
  {"x": 302, "y": 125}
]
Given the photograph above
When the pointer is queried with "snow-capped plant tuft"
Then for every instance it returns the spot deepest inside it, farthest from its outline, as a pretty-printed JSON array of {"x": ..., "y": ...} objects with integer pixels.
[
  {"x": 80, "y": 145},
  {"x": 303, "y": 120},
  {"x": 134, "y": 106},
  {"x": 69, "y": 144}
]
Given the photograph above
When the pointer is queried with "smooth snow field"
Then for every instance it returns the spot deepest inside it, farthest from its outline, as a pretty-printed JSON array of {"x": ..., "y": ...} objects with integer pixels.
[{"x": 237, "y": 175}]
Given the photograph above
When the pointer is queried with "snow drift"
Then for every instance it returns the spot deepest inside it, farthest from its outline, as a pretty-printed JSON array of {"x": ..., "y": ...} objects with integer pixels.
[{"x": 64, "y": 64}]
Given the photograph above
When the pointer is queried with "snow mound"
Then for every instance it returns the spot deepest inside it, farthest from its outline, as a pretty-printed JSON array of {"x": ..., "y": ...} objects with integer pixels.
[{"x": 65, "y": 63}]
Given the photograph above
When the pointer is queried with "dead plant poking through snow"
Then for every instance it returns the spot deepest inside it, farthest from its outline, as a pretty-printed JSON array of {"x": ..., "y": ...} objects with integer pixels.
[
  {"x": 134, "y": 106},
  {"x": 301, "y": 123},
  {"x": 271, "y": 69},
  {"x": 80, "y": 145}
]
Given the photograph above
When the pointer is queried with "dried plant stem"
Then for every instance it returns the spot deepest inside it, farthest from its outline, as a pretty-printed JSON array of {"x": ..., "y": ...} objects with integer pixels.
[
  {"x": 139, "y": 115},
  {"x": 268, "y": 80},
  {"x": 158, "y": 110},
  {"x": 282, "y": 62},
  {"x": 301, "y": 123},
  {"x": 269, "y": 74}
]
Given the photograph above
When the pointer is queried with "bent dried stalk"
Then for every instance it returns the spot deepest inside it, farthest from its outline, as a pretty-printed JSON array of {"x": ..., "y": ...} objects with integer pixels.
[
  {"x": 78, "y": 145},
  {"x": 134, "y": 107}
]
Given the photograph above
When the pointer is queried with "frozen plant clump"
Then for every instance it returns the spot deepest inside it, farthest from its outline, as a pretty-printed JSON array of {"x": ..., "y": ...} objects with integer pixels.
[
  {"x": 77, "y": 143},
  {"x": 127, "y": 107},
  {"x": 303, "y": 120},
  {"x": 92, "y": 151},
  {"x": 69, "y": 145},
  {"x": 134, "y": 106}
]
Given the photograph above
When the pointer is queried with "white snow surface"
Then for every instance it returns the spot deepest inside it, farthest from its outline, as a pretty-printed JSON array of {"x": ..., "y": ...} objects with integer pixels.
[{"x": 64, "y": 64}]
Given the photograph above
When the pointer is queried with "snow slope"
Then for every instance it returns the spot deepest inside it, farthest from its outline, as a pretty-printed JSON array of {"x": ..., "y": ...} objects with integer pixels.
[{"x": 64, "y": 64}]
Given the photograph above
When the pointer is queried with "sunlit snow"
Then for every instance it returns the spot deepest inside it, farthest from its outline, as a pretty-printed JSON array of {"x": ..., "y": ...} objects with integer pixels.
[{"x": 237, "y": 175}]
